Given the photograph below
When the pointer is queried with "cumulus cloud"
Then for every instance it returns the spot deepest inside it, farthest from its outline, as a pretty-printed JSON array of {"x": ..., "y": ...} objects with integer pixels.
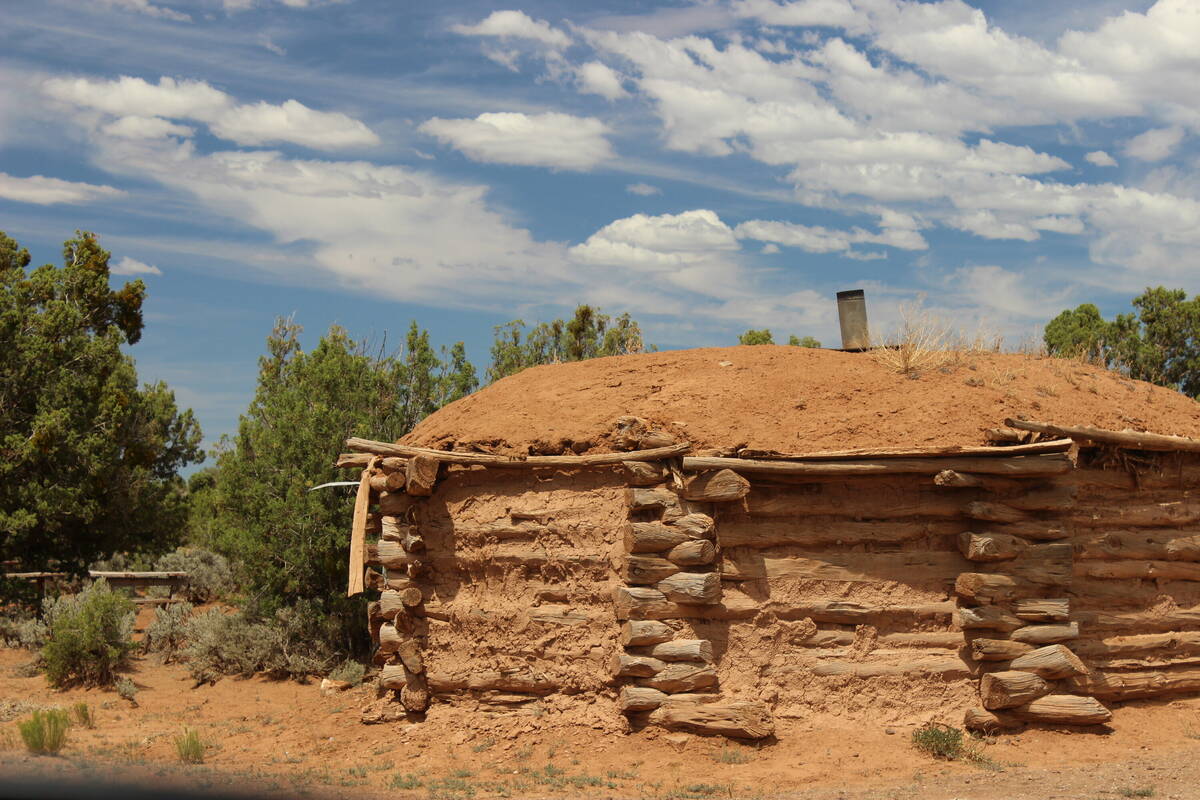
[
  {"x": 643, "y": 189},
  {"x": 138, "y": 100},
  {"x": 1154, "y": 145},
  {"x": 597, "y": 78},
  {"x": 1100, "y": 159},
  {"x": 516, "y": 25},
  {"x": 131, "y": 266},
  {"x": 559, "y": 141},
  {"x": 43, "y": 191},
  {"x": 135, "y": 127},
  {"x": 817, "y": 239}
]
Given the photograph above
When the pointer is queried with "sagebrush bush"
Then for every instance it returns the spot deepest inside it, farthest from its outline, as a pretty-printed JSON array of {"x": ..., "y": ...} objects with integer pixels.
[
  {"x": 45, "y": 732},
  {"x": 209, "y": 575},
  {"x": 126, "y": 689},
  {"x": 19, "y": 628},
  {"x": 351, "y": 672},
  {"x": 167, "y": 633},
  {"x": 221, "y": 644},
  {"x": 90, "y": 636}
]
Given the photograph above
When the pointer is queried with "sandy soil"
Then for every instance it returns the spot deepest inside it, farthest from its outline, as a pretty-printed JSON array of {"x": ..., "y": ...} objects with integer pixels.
[
  {"x": 795, "y": 399},
  {"x": 281, "y": 737}
]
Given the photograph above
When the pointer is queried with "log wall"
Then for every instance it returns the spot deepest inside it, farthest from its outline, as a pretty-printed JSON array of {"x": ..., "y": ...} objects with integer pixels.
[{"x": 716, "y": 594}]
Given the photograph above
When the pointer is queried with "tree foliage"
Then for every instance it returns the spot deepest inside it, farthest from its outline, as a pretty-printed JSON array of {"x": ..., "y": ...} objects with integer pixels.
[
  {"x": 588, "y": 334},
  {"x": 803, "y": 341},
  {"x": 88, "y": 460},
  {"x": 757, "y": 337},
  {"x": 1159, "y": 342},
  {"x": 256, "y": 507}
]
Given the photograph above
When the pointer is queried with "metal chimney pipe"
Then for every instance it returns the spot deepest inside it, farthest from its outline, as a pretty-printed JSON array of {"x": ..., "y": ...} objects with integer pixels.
[{"x": 852, "y": 314}]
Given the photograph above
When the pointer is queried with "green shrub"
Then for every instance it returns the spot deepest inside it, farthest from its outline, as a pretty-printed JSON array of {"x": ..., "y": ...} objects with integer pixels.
[
  {"x": 90, "y": 636},
  {"x": 190, "y": 746},
  {"x": 45, "y": 732},
  {"x": 209, "y": 575},
  {"x": 167, "y": 633},
  {"x": 352, "y": 672},
  {"x": 84, "y": 714},
  {"x": 20, "y": 628},
  {"x": 283, "y": 646},
  {"x": 939, "y": 741},
  {"x": 126, "y": 689}
]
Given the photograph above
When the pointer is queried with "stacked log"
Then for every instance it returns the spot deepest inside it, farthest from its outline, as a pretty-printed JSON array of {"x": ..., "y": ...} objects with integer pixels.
[{"x": 671, "y": 571}]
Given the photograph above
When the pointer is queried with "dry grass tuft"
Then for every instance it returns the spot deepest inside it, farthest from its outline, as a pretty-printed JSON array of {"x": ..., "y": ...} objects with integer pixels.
[{"x": 923, "y": 342}]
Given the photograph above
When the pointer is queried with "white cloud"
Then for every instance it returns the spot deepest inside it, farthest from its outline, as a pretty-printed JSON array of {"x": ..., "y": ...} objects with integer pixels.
[
  {"x": 597, "y": 78},
  {"x": 294, "y": 122},
  {"x": 131, "y": 266},
  {"x": 134, "y": 127},
  {"x": 989, "y": 226},
  {"x": 560, "y": 141},
  {"x": 1154, "y": 145},
  {"x": 769, "y": 249},
  {"x": 643, "y": 189},
  {"x": 43, "y": 191},
  {"x": 150, "y": 10},
  {"x": 1100, "y": 159},
  {"x": 255, "y": 124},
  {"x": 517, "y": 25},
  {"x": 901, "y": 234}
]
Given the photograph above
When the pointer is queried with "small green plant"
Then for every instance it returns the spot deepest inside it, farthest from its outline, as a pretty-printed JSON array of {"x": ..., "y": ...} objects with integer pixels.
[
  {"x": 404, "y": 782},
  {"x": 126, "y": 689},
  {"x": 190, "y": 746},
  {"x": 734, "y": 755},
  {"x": 45, "y": 732},
  {"x": 90, "y": 636},
  {"x": 1144, "y": 791},
  {"x": 939, "y": 741},
  {"x": 486, "y": 744},
  {"x": 351, "y": 672},
  {"x": 84, "y": 715}
]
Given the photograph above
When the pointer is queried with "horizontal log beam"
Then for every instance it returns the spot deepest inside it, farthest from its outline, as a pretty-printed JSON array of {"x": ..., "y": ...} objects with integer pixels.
[
  {"x": 1134, "y": 685},
  {"x": 739, "y": 719},
  {"x": 1133, "y": 440},
  {"x": 1053, "y": 464},
  {"x": 910, "y": 567},
  {"x": 940, "y": 451},
  {"x": 490, "y": 460}
]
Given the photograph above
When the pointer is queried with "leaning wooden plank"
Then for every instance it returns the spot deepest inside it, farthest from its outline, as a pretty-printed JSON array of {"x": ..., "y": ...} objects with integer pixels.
[
  {"x": 1134, "y": 440},
  {"x": 1010, "y": 688},
  {"x": 1057, "y": 446},
  {"x": 1053, "y": 464},
  {"x": 1064, "y": 709},
  {"x": 489, "y": 460},
  {"x": 358, "y": 534},
  {"x": 739, "y": 719}
]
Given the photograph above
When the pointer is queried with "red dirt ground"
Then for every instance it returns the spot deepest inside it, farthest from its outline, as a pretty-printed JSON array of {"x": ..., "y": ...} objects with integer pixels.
[
  {"x": 795, "y": 399},
  {"x": 287, "y": 739}
]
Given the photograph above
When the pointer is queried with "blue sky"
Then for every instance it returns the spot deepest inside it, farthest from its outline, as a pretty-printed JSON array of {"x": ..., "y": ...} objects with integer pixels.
[{"x": 708, "y": 166}]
